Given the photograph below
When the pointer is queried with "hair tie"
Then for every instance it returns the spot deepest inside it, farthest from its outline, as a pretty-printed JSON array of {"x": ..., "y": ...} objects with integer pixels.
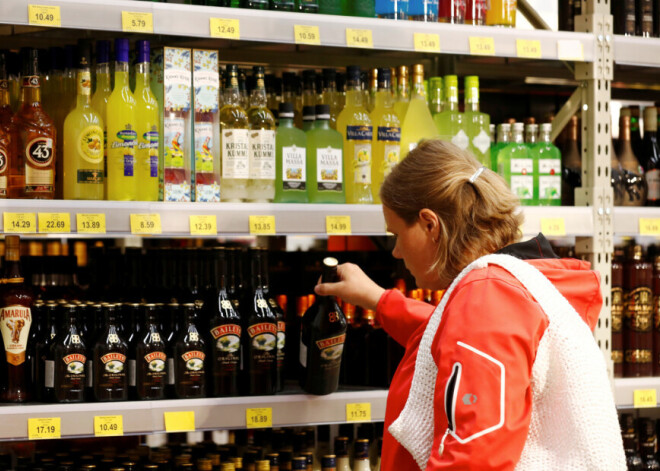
[{"x": 476, "y": 174}]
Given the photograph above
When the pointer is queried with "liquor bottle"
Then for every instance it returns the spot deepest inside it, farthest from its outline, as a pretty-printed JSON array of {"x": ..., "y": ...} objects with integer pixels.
[
  {"x": 190, "y": 357},
  {"x": 290, "y": 95},
  {"x": 477, "y": 123},
  {"x": 329, "y": 463},
  {"x": 255, "y": 4},
  {"x": 630, "y": 442},
  {"x": 147, "y": 124},
  {"x": 361, "y": 462},
  {"x": 402, "y": 95},
  {"x": 502, "y": 13},
  {"x": 571, "y": 165},
  {"x": 8, "y": 134},
  {"x": 566, "y": 15},
  {"x": 616, "y": 178},
  {"x": 617, "y": 314},
  {"x": 282, "y": 5},
  {"x": 109, "y": 360},
  {"x": 32, "y": 173},
  {"x": 644, "y": 14},
  {"x": 392, "y": 9},
  {"x": 452, "y": 11},
  {"x": 475, "y": 12},
  {"x": 450, "y": 123},
  {"x": 66, "y": 369},
  {"x": 16, "y": 313},
  {"x": 417, "y": 124},
  {"x": 503, "y": 139},
  {"x": 648, "y": 445},
  {"x": 355, "y": 126},
  {"x": 307, "y": 6},
  {"x": 149, "y": 362},
  {"x": 83, "y": 139},
  {"x": 635, "y": 130},
  {"x": 516, "y": 167},
  {"x": 308, "y": 116},
  {"x": 547, "y": 158},
  {"x": 651, "y": 156},
  {"x": 308, "y": 97},
  {"x": 325, "y": 163},
  {"x": 331, "y": 96},
  {"x": 225, "y": 328},
  {"x": 261, "y": 122},
  {"x": 100, "y": 99},
  {"x": 291, "y": 159},
  {"x": 299, "y": 463},
  {"x": 322, "y": 339},
  {"x": 122, "y": 135},
  {"x": 234, "y": 137},
  {"x": 370, "y": 88},
  {"x": 279, "y": 316},
  {"x": 436, "y": 95},
  {"x": 425, "y": 10},
  {"x": 363, "y": 8},
  {"x": 633, "y": 173},
  {"x": 638, "y": 316}
]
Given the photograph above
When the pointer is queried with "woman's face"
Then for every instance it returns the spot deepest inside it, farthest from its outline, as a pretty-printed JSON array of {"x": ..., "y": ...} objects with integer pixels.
[{"x": 415, "y": 245}]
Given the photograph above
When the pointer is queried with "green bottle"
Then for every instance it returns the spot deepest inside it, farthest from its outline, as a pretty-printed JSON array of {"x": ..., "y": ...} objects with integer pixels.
[
  {"x": 364, "y": 8},
  {"x": 282, "y": 5},
  {"x": 503, "y": 134},
  {"x": 436, "y": 95},
  {"x": 516, "y": 166},
  {"x": 477, "y": 124},
  {"x": 325, "y": 163},
  {"x": 307, "y": 6},
  {"x": 255, "y": 4},
  {"x": 309, "y": 116},
  {"x": 291, "y": 159},
  {"x": 548, "y": 158},
  {"x": 450, "y": 121},
  {"x": 334, "y": 7}
]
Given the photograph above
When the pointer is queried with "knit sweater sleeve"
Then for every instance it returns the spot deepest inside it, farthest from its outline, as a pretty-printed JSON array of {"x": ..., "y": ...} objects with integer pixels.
[{"x": 401, "y": 316}]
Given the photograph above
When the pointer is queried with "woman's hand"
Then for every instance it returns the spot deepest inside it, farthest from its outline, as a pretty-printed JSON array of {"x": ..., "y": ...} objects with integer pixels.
[{"x": 354, "y": 287}]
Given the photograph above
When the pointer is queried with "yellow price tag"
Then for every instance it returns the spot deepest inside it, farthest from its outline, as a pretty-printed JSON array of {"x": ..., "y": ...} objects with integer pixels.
[
  {"x": 649, "y": 226},
  {"x": 180, "y": 421},
  {"x": 225, "y": 28},
  {"x": 146, "y": 224},
  {"x": 109, "y": 425},
  {"x": 90, "y": 223},
  {"x": 644, "y": 398},
  {"x": 529, "y": 48},
  {"x": 137, "y": 22},
  {"x": 427, "y": 42},
  {"x": 262, "y": 224},
  {"x": 359, "y": 38},
  {"x": 259, "y": 418},
  {"x": 570, "y": 50},
  {"x": 49, "y": 427},
  {"x": 19, "y": 223},
  {"x": 338, "y": 224},
  {"x": 203, "y": 225},
  {"x": 306, "y": 34},
  {"x": 553, "y": 226},
  {"x": 44, "y": 15},
  {"x": 482, "y": 46},
  {"x": 54, "y": 222},
  {"x": 360, "y": 412}
]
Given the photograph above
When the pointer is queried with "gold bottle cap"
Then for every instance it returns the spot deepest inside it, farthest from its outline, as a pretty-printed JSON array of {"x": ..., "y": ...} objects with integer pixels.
[
  {"x": 402, "y": 71},
  {"x": 263, "y": 465},
  {"x": 227, "y": 467},
  {"x": 638, "y": 253},
  {"x": 12, "y": 248},
  {"x": 204, "y": 464},
  {"x": 418, "y": 69}
]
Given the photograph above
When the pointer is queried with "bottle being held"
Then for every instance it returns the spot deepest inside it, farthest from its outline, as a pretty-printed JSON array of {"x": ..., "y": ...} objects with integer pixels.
[
  {"x": 633, "y": 173},
  {"x": 109, "y": 361},
  {"x": 190, "y": 357},
  {"x": 651, "y": 156},
  {"x": 66, "y": 369}
]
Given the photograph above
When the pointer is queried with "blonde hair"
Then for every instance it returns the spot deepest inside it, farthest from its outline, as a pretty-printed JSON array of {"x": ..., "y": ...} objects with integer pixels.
[{"x": 475, "y": 218}]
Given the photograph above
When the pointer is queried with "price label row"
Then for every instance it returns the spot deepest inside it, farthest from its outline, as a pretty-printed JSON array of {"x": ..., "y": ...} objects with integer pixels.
[{"x": 51, "y": 427}]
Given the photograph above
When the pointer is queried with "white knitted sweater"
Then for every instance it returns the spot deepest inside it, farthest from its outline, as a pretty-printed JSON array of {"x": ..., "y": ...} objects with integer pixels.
[{"x": 573, "y": 424}]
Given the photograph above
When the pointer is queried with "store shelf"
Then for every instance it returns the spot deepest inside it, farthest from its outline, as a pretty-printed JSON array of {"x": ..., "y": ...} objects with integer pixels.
[
  {"x": 626, "y": 220},
  {"x": 278, "y": 27},
  {"x": 636, "y": 51},
  {"x": 624, "y": 389},
  {"x": 77, "y": 420}
]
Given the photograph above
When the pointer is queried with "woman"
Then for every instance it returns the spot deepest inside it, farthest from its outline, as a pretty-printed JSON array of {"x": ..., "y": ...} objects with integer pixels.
[{"x": 504, "y": 373}]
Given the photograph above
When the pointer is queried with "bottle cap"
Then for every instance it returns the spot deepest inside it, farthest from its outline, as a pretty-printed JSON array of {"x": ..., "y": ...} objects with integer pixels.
[
  {"x": 471, "y": 87},
  {"x": 546, "y": 127},
  {"x": 471, "y": 81},
  {"x": 143, "y": 50},
  {"x": 451, "y": 81},
  {"x": 650, "y": 118},
  {"x": 299, "y": 463},
  {"x": 84, "y": 53},
  {"x": 353, "y": 73},
  {"x": 30, "y": 61},
  {"x": 402, "y": 71},
  {"x": 121, "y": 50},
  {"x": 309, "y": 113},
  {"x": 323, "y": 112},
  {"x": 329, "y": 76},
  {"x": 435, "y": 82},
  {"x": 258, "y": 70},
  {"x": 418, "y": 69},
  {"x": 69, "y": 56},
  {"x": 518, "y": 127},
  {"x": 532, "y": 127},
  {"x": 384, "y": 78},
  {"x": 329, "y": 461},
  {"x": 286, "y": 110},
  {"x": 102, "y": 52}
]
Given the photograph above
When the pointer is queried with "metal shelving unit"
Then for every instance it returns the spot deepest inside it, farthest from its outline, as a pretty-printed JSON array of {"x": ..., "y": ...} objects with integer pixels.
[{"x": 624, "y": 389}]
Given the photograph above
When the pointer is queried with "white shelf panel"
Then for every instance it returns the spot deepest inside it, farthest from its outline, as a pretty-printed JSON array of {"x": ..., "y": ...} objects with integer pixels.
[
  {"x": 578, "y": 220},
  {"x": 77, "y": 420},
  {"x": 624, "y": 389},
  {"x": 631, "y": 50},
  {"x": 626, "y": 220},
  {"x": 277, "y": 27}
]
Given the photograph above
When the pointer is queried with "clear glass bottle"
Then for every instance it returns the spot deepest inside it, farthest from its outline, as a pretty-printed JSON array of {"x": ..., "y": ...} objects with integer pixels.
[{"x": 261, "y": 122}]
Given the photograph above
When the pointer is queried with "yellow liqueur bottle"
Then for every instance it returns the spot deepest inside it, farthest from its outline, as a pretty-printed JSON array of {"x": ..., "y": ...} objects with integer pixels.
[
  {"x": 100, "y": 99},
  {"x": 418, "y": 123},
  {"x": 83, "y": 138}
]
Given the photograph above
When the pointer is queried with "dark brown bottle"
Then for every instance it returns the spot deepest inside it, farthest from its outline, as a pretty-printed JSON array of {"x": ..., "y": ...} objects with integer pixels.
[
  {"x": 322, "y": 339},
  {"x": 616, "y": 178},
  {"x": 37, "y": 331},
  {"x": 225, "y": 325},
  {"x": 42, "y": 352},
  {"x": 173, "y": 320},
  {"x": 617, "y": 318},
  {"x": 644, "y": 14},
  {"x": 15, "y": 322},
  {"x": 571, "y": 165},
  {"x": 190, "y": 357},
  {"x": 281, "y": 322},
  {"x": 8, "y": 136},
  {"x": 633, "y": 173},
  {"x": 66, "y": 369},
  {"x": 110, "y": 361},
  {"x": 656, "y": 316},
  {"x": 651, "y": 156},
  {"x": 625, "y": 17},
  {"x": 148, "y": 368},
  {"x": 638, "y": 316}
]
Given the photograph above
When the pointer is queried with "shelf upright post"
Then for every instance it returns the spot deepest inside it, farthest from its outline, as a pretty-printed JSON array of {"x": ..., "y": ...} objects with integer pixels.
[{"x": 596, "y": 190}]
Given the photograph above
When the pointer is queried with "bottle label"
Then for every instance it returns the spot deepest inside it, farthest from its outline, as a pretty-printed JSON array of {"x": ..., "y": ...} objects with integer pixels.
[
  {"x": 114, "y": 365},
  {"x": 156, "y": 363},
  {"x": 461, "y": 140},
  {"x": 359, "y": 133},
  {"x": 75, "y": 365},
  {"x": 639, "y": 310},
  {"x": 550, "y": 187},
  {"x": 177, "y": 79},
  {"x": 391, "y": 157},
  {"x": 481, "y": 141},
  {"x": 549, "y": 166},
  {"x": 329, "y": 172},
  {"x": 653, "y": 182},
  {"x": 174, "y": 142},
  {"x": 331, "y": 350},
  {"x": 207, "y": 193},
  {"x": 3, "y": 186},
  {"x": 617, "y": 310},
  {"x": 523, "y": 186},
  {"x": 90, "y": 144},
  {"x": 177, "y": 192},
  {"x": 30, "y": 81},
  {"x": 126, "y": 140},
  {"x": 3, "y": 177},
  {"x": 15, "y": 322},
  {"x": 389, "y": 134},
  {"x": 204, "y": 147},
  {"x": 194, "y": 361},
  {"x": 235, "y": 158},
  {"x": 262, "y": 154},
  {"x": 49, "y": 374},
  {"x": 281, "y": 335},
  {"x": 264, "y": 336},
  {"x": 227, "y": 337},
  {"x": 294, "y": 172},
  {"x": 39, "y": 152},
  {"x": 149, "y": 141},
  {"x": 522, "y": 166},
  {"x": 85, "y": 83},
  {"x": 362, "y": 164}
]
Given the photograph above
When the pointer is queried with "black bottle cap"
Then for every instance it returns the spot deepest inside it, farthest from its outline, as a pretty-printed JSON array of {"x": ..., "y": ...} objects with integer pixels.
[
  {"x": 84, "y": 50},
  {"x": 353, "y": 73},
  {"x": 30, "y": 61},
  {"x": 384, "y": 77},
  {"x": 286, "y": 108},
  {"x": 56, "y": 58},
  {"x": 231, "y": 69},
  {"x": 322, "y": 111},
  {"x": 309, "y": 113}
]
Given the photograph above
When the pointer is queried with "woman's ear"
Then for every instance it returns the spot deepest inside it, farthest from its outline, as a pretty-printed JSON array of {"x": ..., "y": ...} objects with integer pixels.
[{"x": 430, "y": 224}]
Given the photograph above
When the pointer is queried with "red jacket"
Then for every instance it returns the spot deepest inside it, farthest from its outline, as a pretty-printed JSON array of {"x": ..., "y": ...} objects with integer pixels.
[{"x": 492, "y": 315}]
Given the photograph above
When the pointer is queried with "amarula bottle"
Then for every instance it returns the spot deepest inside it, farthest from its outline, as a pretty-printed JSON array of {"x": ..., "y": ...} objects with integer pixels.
[
  {"x": 8, "y": 134},
  {"x": 417, "y": 124},
  {"x": 32, "y": 173},
  {"x": 225, "y": 326},
  {"x": 83, "y": 138},
  {"x": 638, "y": 315},
  {"x": 16, "y": 316},
  {"x": 571, "y": 174},
  {"x": 190, "y": 357},
  {"x": 325, "y": 164},
  {"x": 148, "y": 367},
  {"x": 355, "y": 126},
  {"x": 66, "y": 370},
  {"x": 291, "y": 159},
  {"x": 110, "y": 368},
  {"x": 322, "y": 339},
  {"x": 100, "y": 99},
  {"x": 633, "y": 173},
  {"x": 651, "y": 156},
  {"x": 122, "y": 134},
  {"x": 477, "y": 123},
  {"x": 259, "y": 336}
]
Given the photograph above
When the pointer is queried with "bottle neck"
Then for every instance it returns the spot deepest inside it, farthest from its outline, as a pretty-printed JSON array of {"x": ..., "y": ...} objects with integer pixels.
[
  {"x": 31, "y": 91},
  {"x": 354, "y": 96},
  {"x": 142, "y": 75},
  {"x": 84, "y": 80},
  {"x": 121, "y": 75},
  {"x": 321, "y": 124},
  {"x": 4, "y": 94},
  {"x": 13, "y": 270},
  {"x": 285, "y": 122},
  {"x": 418, "y": 88},
  {"x": 545, "y": 137},
  {"x": 451, "y": 103},
  {"x": 258, "y": 97},
  {"x": 384, "y": 99},
  {"x": 404, "y": 89},
  {"x": 518, "y": 137},
  {"x": 232, "y": 94},
  {"x": 103, "y": 77},
  {"x": 472, "y": 106}
]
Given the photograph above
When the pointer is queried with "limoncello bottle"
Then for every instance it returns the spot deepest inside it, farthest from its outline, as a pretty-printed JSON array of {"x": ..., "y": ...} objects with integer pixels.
[
  {"x": 147, "y": 127},
  {"x": 234, "y": 137},
  {"x": 291, "y": 159},
  {"x": 325, "y": 164},
  {"x": 548, "y": 158},
  {"x": 418, "y": 122},
  {"x": 83, "y": 138},
  {"x": 122, "y": 137},
  {"x": 100, "y": 99},
  {"x": 450, "y": 121},
  {"x": 261, "y": 185},
  {"x": 387, "y": 138},
  {"x": 477, "y": 123},
  {"x": 516, "y": 166},
  {"x": 403, "y": 92},
  {"x": 355, "y": 125}
]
